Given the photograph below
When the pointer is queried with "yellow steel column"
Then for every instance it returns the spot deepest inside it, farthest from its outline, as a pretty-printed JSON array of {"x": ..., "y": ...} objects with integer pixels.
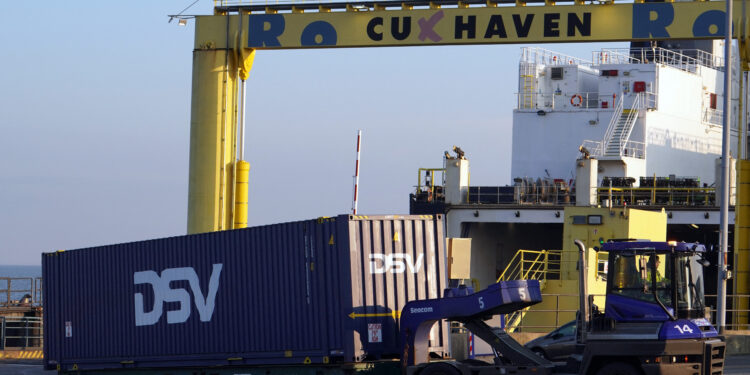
[
  {"x": 741, "y": 318},
  {"x": 240, "y": 202},
  {"x": 213, "y": 125},
  {"x": 742, "y": 244}
]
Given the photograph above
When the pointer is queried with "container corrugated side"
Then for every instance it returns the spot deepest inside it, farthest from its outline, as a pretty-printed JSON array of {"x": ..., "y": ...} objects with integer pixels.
[
  {"x": 276, "y": 294},
  {"x": 394, "y": 259}
]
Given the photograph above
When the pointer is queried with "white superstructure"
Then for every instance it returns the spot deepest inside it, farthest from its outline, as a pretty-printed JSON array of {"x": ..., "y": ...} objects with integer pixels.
[
  {"x": 650, "y": 122},
  {"x": 640, "y": 111}
]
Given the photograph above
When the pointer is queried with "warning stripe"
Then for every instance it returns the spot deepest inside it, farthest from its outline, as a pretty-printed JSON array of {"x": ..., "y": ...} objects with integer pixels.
[{"x": 21, "y": 354}]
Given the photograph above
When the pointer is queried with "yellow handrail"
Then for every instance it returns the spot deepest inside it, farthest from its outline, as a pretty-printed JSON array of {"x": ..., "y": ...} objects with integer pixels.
[{"x": 528, "y": 265}]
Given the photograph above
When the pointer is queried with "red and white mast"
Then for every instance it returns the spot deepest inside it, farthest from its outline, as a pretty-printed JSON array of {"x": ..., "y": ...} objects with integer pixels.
[{"x": 356, "y": 173}]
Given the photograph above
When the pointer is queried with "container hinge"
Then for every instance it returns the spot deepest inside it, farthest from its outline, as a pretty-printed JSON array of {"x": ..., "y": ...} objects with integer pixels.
[
  {"x": 127, "y": 362},
  {"x": 234, "y": 359}
]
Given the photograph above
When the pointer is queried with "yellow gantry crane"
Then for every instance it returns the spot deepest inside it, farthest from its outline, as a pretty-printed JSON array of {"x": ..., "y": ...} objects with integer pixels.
[{"x": 226, "y": 42}]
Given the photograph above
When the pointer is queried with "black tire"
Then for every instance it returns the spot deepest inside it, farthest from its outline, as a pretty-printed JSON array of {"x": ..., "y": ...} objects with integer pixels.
[
  {"x": 618, "y": 368},
  {"x": 539, "y": 352},
  {"x": 439, "y": 368}
]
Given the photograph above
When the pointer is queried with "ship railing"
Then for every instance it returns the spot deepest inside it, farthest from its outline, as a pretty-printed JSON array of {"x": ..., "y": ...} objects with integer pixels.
[
  {"x": 564, "y": 101},
  {"x": 644, "y": 100},
  {"x": 713, "y": 117},
  {"x": 633, "y": 149},
  {"x": 20, "y": 291},
  {"x": 576, "y": 101},
  {"x": 595, "y": 148},
  {"x": 537, "y": 191},
  {"x": 657, "y": 196},
  {"x": 683, "y": 59},
  {"x": 21, "y": 332},
  {"x": 613, "y": 56},
  {"x": 536, "y": 55}
]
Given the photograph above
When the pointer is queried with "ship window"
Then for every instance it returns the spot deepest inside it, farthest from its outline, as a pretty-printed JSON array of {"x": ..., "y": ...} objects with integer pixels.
[
  {"x": 556, "y": 73},
  {"x": 713, "y": 101},
  {"x": 594, "y": 219}
]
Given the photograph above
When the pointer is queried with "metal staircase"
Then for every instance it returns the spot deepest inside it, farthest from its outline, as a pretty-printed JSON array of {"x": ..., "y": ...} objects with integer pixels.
[
  {"x": 530, "y": 265},
  {"x": 620, "y": 127}
]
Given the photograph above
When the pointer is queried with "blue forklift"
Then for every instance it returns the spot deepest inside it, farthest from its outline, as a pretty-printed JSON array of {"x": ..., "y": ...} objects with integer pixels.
[{"x": 654, "y": 320}]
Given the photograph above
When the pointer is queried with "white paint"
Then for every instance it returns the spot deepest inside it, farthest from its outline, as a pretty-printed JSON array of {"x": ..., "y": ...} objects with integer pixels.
[
  {"x": 586, "y": 182},
  {"x": 681, "y": 138},
  {"x": 394, "y": 263},
  {"x": 164, "y": 293},
  {"x": 456, "y": 180}
]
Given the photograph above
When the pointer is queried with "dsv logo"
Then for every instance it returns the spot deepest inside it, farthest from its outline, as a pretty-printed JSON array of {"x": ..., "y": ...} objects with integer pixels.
[
  {"x": 394, "y": 263},
  {"x": 164, "y": 293}
]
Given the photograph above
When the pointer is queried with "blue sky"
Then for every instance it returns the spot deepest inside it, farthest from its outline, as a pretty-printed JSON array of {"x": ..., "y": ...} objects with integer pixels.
[{"x": 95, "y": 112}]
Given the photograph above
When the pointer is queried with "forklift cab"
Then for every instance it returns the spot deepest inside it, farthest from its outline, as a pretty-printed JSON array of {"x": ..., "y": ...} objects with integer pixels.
[{"x": 658, "y": 282}]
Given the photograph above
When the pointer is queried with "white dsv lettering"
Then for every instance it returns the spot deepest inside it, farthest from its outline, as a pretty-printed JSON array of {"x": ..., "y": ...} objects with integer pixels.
[
  {"x": 163, "y": 293},
  {"x": 394, "y": 263}
]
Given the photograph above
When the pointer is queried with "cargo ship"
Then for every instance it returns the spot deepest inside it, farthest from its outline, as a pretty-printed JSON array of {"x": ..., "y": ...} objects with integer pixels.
[{"x": 638, "y": 127}]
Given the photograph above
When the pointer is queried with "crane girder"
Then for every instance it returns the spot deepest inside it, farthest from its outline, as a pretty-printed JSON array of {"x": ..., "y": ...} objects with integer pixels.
[{"x": 423, "y": 23}]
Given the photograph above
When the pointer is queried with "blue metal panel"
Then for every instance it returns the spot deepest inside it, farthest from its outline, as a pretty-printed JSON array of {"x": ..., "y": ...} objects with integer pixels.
[{"x": 276, "y": 294}]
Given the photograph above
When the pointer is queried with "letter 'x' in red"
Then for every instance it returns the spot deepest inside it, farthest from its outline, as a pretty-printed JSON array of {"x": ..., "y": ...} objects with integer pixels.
[{"x": 426, "y": 26}]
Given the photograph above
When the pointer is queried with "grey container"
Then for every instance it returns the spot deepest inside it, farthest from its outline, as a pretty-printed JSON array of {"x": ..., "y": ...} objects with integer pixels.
[{"x": 315, "y": 291}]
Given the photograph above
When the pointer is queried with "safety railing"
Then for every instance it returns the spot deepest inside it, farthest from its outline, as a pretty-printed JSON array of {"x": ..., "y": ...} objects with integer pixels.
[
  {"x": 21, "y": 332},
  {"x": 632, "y": 149},
  {"x": 530, "y": 265},
  {"x": 713, "y": 117},
  {"x": 575, "y": 101},
  {"x": 533, "y": 265},
  {"x": 738, "y": 311},
  {"x": 536, "y": 55},
  {"x": 657, "y": 196},
  {"x": 15, "y": 291},
  {"x": 683, "y": 59},
  {"x": 616, "y": 115},
  {"x": 561, "y": 314},
  {"x": 565, "y": 101}
]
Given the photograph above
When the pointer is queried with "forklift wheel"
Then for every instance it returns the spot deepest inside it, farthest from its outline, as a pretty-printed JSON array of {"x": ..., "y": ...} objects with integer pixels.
[
  {"x": 617, "y": 368},
  {"x": 439, "y": 368}
]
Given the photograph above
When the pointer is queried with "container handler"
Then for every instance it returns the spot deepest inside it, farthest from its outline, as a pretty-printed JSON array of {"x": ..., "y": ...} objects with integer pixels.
[{"x": 653, "y": 322}]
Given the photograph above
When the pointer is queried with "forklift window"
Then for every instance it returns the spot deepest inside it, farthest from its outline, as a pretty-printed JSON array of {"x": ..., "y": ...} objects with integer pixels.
[
  {"x": 689, "y": 283},
  {"x": 628, "y": 278}
]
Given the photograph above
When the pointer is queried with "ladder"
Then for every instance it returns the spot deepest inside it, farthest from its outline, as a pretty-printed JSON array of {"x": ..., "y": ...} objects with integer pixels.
[{"x": 528, "y": 78}]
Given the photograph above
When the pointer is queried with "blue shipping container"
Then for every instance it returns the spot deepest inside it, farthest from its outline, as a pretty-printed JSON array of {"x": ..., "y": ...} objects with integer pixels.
[{"x": 314, "y": 291}]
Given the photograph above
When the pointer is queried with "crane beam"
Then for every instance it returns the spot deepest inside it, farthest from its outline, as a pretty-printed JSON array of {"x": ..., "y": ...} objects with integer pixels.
[{"x": 423, "y": 23}]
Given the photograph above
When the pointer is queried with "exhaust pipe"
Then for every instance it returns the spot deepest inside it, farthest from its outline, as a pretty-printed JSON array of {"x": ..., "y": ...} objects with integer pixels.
[{"x": 583, "y": 308}]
